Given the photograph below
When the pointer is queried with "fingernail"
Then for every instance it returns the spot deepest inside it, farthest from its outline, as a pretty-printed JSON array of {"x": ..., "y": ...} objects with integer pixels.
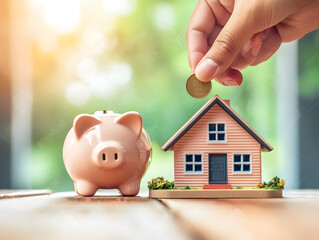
[
  {"x": 230, "y": 83},
  {"x": 206, "y": 70}
]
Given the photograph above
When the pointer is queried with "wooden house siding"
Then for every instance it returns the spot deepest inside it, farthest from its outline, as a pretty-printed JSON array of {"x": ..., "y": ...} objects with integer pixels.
[{"x": 195, "y": 140}]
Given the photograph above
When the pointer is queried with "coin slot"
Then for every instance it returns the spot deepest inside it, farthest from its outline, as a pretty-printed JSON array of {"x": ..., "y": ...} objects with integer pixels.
[
  {"x": 103, "y": 156},
  {"x": 115, "y": 156}
]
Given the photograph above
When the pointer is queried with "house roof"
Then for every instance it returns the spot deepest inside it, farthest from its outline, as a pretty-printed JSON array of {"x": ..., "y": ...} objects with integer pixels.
[{"x": 266, "y": 147}]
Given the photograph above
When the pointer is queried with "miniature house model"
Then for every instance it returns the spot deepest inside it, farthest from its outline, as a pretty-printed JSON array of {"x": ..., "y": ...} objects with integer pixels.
[{"x": 216, "y": 148}]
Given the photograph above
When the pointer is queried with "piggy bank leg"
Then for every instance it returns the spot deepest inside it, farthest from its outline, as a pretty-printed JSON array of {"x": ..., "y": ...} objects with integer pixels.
[
  {"x": 85, "y": 188},
  {"x": 130, "y": 188},
  {"x": 75, "y": 187}
]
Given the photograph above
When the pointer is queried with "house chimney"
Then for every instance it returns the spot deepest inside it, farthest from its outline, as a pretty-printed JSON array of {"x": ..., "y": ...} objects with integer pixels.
[{"x": 227, "y": 102}]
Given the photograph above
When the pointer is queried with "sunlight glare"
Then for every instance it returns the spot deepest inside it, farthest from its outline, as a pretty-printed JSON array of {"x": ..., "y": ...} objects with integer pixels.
[
  {"x": 119, "y": 7},
  {"x": 87, "y": 69},
  {"x": 62, "y": 15},
  {"x": 94, "y": 41},
  {"x": 102, "y": 86},
  {"x": 107, "y": 82},
  {"x": 47, "y": 41},
  {"x": 77, "y": 94},
  {"x": 164, "y": 16},
  {"x": 120, "y": 73}
]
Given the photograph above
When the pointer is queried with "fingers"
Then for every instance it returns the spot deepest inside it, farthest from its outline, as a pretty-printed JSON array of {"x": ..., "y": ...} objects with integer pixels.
[
  {"x": 200, "y": 26},
  {"x": 270, "y": 44},
  {"x": 220, "y": 44},
  {"x": 206, "y": 16},
  {"x": 239, "y": 28},
  {"x": 220, "y": 12},
  {"x": 212, "y": 37},
  {"x": 249, "y": 52},
  {"x": 258, "y": 49},
  {"x": 228, "y": 5},
  {"x": 231, "y": 77}
]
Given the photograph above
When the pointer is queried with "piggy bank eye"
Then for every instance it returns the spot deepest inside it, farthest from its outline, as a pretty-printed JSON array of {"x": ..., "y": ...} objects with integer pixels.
[
  {"x": 103, "y": 156},
  {"x": 115, "y": 156}
]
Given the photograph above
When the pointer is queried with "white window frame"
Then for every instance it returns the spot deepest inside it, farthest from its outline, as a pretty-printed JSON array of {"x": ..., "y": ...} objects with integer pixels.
[
  {"x": 242, "y": 163},
  {"x": 216, "y": 132},
  {"x": 194, "y": 163}
]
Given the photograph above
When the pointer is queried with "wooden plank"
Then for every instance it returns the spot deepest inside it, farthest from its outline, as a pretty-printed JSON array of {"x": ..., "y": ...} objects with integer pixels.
[
  {"x": 69, "y": 216},
  {"x": 285, "y": 218},
  {"x": 14, "y": 193},
  {"x": 216, "y": 193}
]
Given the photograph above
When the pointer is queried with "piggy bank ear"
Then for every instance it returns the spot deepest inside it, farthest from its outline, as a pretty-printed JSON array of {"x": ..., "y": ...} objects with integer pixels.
[
  {"x": 82, "y": 123},
  {"x": 132, "y": 120}
]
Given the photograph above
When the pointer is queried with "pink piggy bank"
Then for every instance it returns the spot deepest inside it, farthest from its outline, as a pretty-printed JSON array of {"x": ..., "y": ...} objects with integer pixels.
[{"x": 107, "y": 150}]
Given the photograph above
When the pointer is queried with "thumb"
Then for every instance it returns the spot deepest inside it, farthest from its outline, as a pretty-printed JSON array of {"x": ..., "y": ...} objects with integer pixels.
[{"x": 239, "y": 28}]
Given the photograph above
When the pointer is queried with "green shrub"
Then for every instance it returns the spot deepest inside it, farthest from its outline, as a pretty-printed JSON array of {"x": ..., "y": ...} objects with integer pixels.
[
  {"x": 187, "y": 187},
  {"x": 275, "y": 183},
  {"x": 160, "y": 183},
  {"x": 239, "y": 188}
]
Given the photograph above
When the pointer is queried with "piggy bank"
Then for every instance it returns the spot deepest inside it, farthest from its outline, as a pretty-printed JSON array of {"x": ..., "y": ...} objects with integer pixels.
[{"x": 107, "y": 150}]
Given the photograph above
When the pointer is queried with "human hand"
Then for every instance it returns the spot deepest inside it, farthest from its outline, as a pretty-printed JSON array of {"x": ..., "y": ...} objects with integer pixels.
[{"x": 225, "y": 36}]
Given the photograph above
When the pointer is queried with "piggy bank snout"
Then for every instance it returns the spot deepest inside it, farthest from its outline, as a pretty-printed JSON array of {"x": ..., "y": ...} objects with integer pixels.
[{"x": 108, "y": 155}]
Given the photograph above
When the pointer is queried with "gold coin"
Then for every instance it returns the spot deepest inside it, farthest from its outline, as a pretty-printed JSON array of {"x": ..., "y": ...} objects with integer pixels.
[{"x": 196, "y": 88}]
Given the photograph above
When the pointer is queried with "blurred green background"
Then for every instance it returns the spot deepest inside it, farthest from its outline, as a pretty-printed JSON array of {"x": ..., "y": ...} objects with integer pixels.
[
  {"x": 129, "y": 55},
  {"x": 123, "y": 56}
]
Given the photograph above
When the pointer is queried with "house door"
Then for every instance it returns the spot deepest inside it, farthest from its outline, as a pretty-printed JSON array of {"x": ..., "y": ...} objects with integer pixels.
[{"x": 217, "y": 168}]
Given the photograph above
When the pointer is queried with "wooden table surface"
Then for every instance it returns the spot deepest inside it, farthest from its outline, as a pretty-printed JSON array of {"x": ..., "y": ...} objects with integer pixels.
[{"x": 68, "y": 216}]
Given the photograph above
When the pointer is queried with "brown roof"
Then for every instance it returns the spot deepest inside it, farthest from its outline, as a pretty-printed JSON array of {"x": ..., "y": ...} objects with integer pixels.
[{"x": 216, "y": 100}]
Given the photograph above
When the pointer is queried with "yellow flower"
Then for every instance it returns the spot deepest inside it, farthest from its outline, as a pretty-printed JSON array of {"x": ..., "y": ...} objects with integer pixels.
[{"x": 159, "y": 185}]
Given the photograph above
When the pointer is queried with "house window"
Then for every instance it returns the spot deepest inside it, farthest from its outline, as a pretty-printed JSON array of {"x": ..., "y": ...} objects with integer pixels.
[
  {"x": 217, "y": 132},
  {"x": 242, "y": 163},
  {"x": 193, "y": 163}
]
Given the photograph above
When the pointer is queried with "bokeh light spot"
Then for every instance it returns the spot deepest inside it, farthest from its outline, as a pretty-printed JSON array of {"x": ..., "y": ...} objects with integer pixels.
[
  {"x": 62, "y": 15},
  {"x": 77, "y": 93},
  {"x": 102, "y": 86},
  {"x": 119, "y": 7},
  {"x": 48, "y": 41},
  {"x": 107, "y": 82},
  {"x": 87, "y": 69},
  {"x": 164, "y": 16},
  {"x": 94, "y": 41},
  {"x": 120, "y": 73}
]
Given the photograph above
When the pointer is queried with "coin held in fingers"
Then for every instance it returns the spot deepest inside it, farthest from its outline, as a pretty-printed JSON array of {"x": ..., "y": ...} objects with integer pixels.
[{"x": 196, "y": 88}]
